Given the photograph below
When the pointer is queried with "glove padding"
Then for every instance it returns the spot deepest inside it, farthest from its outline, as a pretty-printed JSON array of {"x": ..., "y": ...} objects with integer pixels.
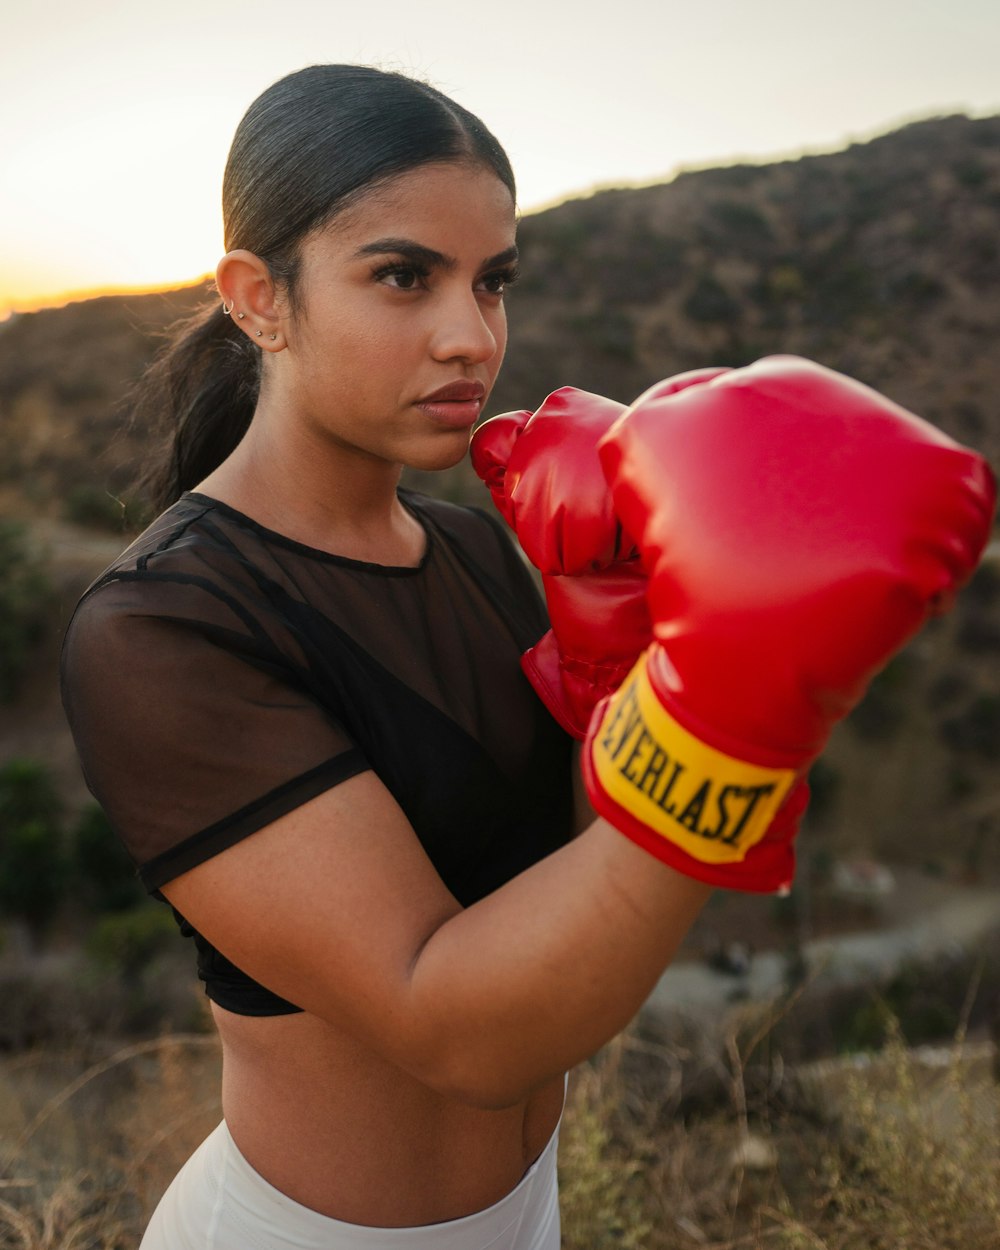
[
  {"x": 544, "y": 474},
  {"x": 797, "y": 529}
]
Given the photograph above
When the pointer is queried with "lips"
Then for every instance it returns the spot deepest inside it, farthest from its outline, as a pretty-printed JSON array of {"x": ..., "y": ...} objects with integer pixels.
[
  {"x": 460, "y": 392},
  {"x": 455, "y": 406}
]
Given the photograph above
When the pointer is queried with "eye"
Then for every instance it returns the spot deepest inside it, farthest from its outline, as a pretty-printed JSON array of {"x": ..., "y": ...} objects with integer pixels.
[
  {"x": 496, "y": 282},
  {"x": 402, "y": 277}
]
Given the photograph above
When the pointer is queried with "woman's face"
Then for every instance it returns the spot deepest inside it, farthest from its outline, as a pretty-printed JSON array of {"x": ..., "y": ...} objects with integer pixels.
[{"x": 399, "y": 328}]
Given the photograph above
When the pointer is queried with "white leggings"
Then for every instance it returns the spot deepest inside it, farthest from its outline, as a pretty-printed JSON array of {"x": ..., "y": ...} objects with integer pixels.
[{"x": 218, "y": 1202}]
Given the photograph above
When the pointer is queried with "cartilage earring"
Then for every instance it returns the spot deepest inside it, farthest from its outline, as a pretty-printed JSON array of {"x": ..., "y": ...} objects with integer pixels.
[
  {"x": 226, "y": 311},
  {"x": 241, "y": 315},
  {"x": 273, "y": 337},
  {"x": 259, "y": 333}
]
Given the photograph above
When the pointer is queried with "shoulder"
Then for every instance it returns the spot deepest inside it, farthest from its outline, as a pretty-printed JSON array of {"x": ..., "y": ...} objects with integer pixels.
[
  {"x": 181, "y": 570},
  {"x": 191, "y": 543},
  {"x": 172, "y": 542}
]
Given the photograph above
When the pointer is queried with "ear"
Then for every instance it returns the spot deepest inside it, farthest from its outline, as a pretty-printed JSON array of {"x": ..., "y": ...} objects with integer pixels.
[{"x": 246, "y": 286}]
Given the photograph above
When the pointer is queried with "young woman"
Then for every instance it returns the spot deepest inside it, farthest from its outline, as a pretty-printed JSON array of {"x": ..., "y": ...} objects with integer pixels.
[{"x": 298, "y": 697}]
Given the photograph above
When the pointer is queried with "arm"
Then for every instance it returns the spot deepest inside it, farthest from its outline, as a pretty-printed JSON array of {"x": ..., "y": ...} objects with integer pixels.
[
  {"x": 227, "y": 781},
  {"x": 480, "y": 1004},
  {"x": 583, "y": 811}
]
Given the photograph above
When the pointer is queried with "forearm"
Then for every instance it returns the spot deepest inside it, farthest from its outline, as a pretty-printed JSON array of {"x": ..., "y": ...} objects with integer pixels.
[
  {"x": 482, "y": 1003},
  {"x": 540, "y": 974},
  {"x": 583, "y": 812}
]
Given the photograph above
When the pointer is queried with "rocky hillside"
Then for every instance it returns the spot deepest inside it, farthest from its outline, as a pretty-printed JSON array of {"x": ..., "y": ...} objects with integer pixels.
[{"x": 882, "y": 260}]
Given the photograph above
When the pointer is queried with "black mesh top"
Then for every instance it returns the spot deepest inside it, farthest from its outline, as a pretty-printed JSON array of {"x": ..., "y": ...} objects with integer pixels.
[{"x": 219, "y": 674}]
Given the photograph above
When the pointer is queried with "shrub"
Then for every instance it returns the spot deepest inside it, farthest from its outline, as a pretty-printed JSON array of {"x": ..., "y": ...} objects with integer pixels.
[
  {"x": 824, "y": 787},
  {"x": 25, "y": 597},
  {"x": 711, "y": 302},
  {"x": 970, "y": 172},
  {"x": 92, "y": 505},
  {"x": 32, "y": 861},
  {"x": 27, "y": 792},
  {"x": 918, "y": 289},
  {"x": 742, "y": 224},
  {"x": 882, "y": 711},
  {"x": 127, "y": 941},
  {"x": 918, "y": 1172},
  {"x": 983, "y": 591},
  {"x": 600, "y": 1193},
  {"x": 32, "y": 873},
  {"x": 977, "y": 729},
  {"x": 610, "y": 331},
  {"x": 105, "y": 878}
]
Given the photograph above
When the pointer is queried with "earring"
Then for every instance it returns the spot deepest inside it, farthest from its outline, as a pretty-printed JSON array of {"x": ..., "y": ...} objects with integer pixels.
[
  {"x": 241, "y": 315},
  {"x": 273, "y": 337},
  {"x": 259, "y": 333},
  {"x": 226, "y": 311}
]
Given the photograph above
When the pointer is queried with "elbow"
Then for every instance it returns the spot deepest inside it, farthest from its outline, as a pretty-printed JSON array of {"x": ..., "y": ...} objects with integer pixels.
[
  {"x": 488, "y": 1092},
  {"x": 476, "y": 1077}
]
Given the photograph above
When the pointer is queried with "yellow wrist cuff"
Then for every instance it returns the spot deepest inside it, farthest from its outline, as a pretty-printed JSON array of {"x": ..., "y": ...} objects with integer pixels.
[{"x": 711, "y": 805}]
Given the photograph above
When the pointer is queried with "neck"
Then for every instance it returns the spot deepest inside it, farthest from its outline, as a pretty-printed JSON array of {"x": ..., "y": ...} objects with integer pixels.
[{"x": 327, "y": 496}]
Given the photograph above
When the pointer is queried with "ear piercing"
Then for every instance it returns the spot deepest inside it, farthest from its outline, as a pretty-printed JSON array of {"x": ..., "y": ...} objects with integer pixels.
[
  {"x": 259, "y": 333},
  {"x": 273, "y": 337},
  {"x": 241, "y": 315},
  {"x": 226, "y": 311}
]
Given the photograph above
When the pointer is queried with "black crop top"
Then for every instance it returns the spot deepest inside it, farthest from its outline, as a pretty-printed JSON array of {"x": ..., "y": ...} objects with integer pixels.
[{"x": 218, "y": 675}]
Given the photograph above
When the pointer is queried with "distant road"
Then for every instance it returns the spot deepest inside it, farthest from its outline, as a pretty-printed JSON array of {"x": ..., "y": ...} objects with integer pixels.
[{"x": 957, "y": 923}]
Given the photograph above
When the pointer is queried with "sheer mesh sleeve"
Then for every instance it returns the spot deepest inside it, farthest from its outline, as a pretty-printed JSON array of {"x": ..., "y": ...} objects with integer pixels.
[{"x": 193, "y": 723}]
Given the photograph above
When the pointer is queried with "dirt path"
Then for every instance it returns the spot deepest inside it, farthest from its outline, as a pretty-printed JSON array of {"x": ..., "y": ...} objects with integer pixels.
[{"x": 957, "y": 922}]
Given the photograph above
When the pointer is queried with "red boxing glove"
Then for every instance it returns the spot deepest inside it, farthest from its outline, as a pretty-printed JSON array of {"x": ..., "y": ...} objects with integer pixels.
[
  {"x": 546, "y": 480},
  {"x": 798, "y": 529}
]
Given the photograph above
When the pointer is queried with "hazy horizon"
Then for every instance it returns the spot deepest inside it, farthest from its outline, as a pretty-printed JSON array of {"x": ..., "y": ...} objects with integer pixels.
[{"x": 119, "y": 118}]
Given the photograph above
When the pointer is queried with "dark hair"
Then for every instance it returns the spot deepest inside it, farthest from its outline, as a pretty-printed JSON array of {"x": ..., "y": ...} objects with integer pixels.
[{"x": 305, "y": 149}]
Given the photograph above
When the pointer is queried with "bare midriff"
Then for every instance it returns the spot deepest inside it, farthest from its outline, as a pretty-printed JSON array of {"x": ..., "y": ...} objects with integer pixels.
[{"x": 330, "y": 1123}]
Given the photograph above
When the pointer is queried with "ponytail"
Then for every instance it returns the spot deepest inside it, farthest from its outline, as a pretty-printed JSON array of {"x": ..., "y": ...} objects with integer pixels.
[{"x": 199, "y": 396}]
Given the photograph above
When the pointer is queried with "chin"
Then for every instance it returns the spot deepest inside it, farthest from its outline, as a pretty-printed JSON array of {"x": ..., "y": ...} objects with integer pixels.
[{"x": 444, "y": 456}]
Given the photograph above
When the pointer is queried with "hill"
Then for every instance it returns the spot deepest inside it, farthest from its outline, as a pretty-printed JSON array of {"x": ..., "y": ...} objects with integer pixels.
[{"x": 882, "y": 260}]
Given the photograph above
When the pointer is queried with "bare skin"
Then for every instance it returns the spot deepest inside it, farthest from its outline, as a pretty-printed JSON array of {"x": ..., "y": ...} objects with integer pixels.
[
  {"x": 333, "y": 1125},
  {"x": 425, "y": 1071}
]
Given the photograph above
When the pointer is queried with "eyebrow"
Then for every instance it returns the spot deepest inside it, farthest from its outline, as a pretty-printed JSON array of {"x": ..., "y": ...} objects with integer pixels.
[{"x": 429, "y": 256}]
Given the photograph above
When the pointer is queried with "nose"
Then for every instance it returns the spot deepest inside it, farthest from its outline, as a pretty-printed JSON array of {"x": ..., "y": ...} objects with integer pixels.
[{"x": 465, "y": 331}]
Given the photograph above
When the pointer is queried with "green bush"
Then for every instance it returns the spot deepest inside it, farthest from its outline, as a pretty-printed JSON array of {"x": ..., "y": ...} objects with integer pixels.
[
  {"x": 824, "y": 788},
  {"x": 918, "y": 289},
  {"x": 27, "y": 792},
  {"x": 976, "y": 730},
  {"x": 711, "y": 302},
  {"x": 609, "y": 331},
  {"x": 92, "y": 505},
  {"x": 742, "y": 223},
  {"x": 32, "y": 873},
  {"x": 970, "y": 172},
  {"x": 883, "y": 710},
  {"x": 33, "y": 866},
  {"x": 25, "y": 597},
  {"x": 104, "y": 876},
  {"x": 126, "y": 941}
]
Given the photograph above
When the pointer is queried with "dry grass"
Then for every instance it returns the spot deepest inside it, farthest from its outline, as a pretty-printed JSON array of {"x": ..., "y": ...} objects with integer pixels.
[
  {"x": 86, "y": 1149},
  {"x": 922, "y": 1168},
  {"x": 898, "y": 1154}
]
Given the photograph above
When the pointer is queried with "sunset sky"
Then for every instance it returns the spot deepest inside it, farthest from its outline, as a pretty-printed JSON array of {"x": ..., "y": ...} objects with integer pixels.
[{"x": 117, "y": 116}]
